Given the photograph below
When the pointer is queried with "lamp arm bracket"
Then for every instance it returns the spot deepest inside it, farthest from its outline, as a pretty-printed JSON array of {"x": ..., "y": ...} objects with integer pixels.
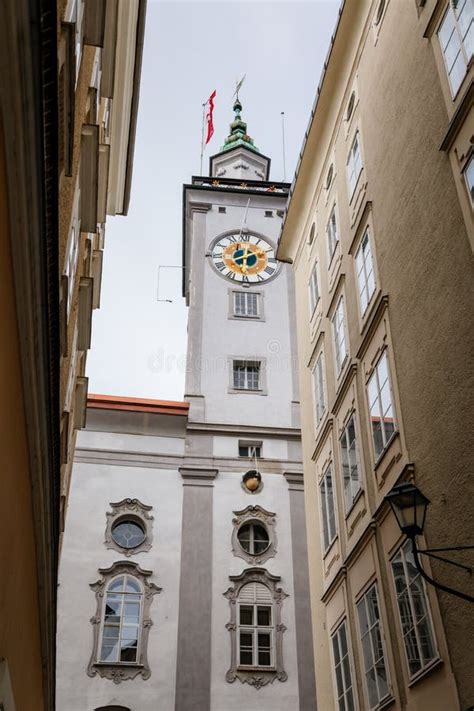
[{"x": 430, "y": 580}]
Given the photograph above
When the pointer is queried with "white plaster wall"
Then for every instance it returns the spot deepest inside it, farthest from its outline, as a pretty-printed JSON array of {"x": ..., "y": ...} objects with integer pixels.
[
  {"x": 113, "y": 441},
  {"x": 268, "y": 339},
  {"x": 93, "y": 488},
  {"x": 229, "y": 497},
  {"x": 271, "y": 448}
]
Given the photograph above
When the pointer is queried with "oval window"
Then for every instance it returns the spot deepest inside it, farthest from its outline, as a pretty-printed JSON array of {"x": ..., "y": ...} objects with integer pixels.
[
  {"x": 253, "y": 538},
  {"x": 128, "y": 534}
]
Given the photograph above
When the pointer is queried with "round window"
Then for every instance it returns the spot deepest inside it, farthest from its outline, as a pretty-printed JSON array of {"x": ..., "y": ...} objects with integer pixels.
[
  {"x": 128, "y": 534},
  {"x": 253, "y": 538}
]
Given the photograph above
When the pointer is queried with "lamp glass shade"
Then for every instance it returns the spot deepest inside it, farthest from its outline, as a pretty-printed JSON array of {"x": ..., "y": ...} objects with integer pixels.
[{"x": 409, "y": 506}]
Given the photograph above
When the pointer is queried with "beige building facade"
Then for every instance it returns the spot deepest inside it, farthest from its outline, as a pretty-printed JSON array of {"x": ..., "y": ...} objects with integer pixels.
[
  {"x": 379, "y": 227},
  {"x": 100, "y": 47}
]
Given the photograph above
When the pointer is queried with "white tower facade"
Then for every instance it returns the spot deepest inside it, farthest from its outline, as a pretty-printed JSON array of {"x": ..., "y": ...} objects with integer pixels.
[{"x": 193, "y": 568}]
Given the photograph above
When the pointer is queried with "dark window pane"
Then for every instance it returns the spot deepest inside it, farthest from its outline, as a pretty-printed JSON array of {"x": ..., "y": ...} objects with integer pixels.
[
  {"x": 246, "y": 615},
  {"x": 263, "y": 640},
  {"x": 245, "y": 639},
  {"x": 264, "y": 659},
  {"x": 128, "y": 654},
  {"x": 264, "y": 616},
  {"x": 245, "y": 657}
]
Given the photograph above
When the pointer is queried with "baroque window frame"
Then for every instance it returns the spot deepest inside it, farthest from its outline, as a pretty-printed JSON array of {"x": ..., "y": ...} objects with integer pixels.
[
  {"x": 257, "y": 515},
  {"x": 256, "y": 676},
  {"x": 132, "y": 510},
  {"x": 120, "y": 671}
]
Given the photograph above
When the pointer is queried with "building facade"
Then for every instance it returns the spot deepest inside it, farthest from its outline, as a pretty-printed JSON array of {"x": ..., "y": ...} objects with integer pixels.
[
  {"x": 379, "y": 228},
  {"x": 192, "y": 565},
  {"x": 99, "y": 53}
]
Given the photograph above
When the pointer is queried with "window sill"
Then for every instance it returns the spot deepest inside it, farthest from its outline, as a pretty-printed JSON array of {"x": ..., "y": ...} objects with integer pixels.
[
  {"x": 243, "y": 667},
  {"x": 330, "y": 547},
  {"x": 432, "y": 667},
  {"x": 119, "y": 665},
  {"x": 385, "y": 703},
  {"x": 245, "y": 391}
]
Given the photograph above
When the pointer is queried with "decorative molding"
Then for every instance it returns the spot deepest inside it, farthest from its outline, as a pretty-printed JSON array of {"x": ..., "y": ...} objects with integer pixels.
[
  {"x": 256, "y": 676},
  {"x": 254, "y": 514},
  {"x": 131, "y": 510},
  {"x": 198, "y": 476},
  {"x": 120, "y": 671},
  {"x": 378, "y": 310},
  {"x": 295, "y": 480}
]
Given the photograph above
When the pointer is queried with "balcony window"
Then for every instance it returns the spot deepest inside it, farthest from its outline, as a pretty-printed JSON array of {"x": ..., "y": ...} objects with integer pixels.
[
  {"x": 365, "y": 272},
  {"x": 456, "y": 37},
  {"x": 382, "y": 411}
]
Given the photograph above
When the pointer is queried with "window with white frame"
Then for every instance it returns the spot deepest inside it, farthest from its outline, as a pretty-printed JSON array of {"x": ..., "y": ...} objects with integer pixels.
[
  {"x": 72, "y": 250},
  {"x": 328, "y": 515},
  {"x": 415, "y": 618},
  {"x": 382, "y": 411},
  {"x": 78, "y": 18},
  {"x": 255, "y": 626},
  {"x": 252, "y": 450},
  {"x": 350, "y": 463},
  {"x": 375, "y": 667},
  {"x": 124, "y": 595},
  {"x": 342, "y": 669},
  {"x": 339, "y": 333},
  {"x": 331, "y": 233},
  {"x": 456, "y": 37},
  {"x": 354, "y": 164},
  {"x": 246, "y": 375},
  {"x": 469, "y": 178},
  {"x": 365, "y": 272},
  {"x": 318, "y": 384},
  {"x": 246, "y": 304},
  {"x": 314, "y": 288}
]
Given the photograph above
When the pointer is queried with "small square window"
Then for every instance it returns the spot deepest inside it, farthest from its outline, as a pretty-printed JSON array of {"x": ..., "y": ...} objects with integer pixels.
[
  {"x": 222, "y": 209},
  {"x": 268, "y": 213},
  {"x": 246, "y": 304},
  {"x": 246, "y": 375},
  {"x": 251, "y": 450}
]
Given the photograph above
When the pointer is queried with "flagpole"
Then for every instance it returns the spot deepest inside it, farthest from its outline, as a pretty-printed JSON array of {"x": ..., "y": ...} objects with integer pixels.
[
  {"x": 202, "y": 134},
  {"x": 283, "y": 143}
]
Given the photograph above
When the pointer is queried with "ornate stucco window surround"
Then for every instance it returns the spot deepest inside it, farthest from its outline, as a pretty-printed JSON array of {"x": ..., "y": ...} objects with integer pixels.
[
  {"x": 255, "y": 593},
  {"x": 254, "y": 538},
  {"x": 121, "y": 623},
  {"x": 129, "y": 528}
]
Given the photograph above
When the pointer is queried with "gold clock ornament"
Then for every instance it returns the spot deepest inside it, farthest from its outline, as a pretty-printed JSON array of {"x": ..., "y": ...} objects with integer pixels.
[{"x": 245, "y": 258}]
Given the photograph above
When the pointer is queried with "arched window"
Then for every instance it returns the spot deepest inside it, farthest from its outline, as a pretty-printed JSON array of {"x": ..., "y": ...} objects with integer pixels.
[
  {"x": 122, "y": 620},
  {"x": 121, "y": 623},
  {"x": 255, "y": 628}
]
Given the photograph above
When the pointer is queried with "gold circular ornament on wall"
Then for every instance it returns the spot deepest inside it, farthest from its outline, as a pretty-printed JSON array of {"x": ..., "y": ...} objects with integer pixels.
[{"x": 245, "y": 258}]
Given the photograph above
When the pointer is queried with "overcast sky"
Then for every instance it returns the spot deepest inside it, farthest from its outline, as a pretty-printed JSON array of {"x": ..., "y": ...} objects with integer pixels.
[{"x": 191, "y": 48}]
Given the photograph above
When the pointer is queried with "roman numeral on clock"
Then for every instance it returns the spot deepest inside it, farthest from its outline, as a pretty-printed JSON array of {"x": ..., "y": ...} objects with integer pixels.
[
  {"x": 269, "y": 270},
  {"x": 220, "y": 265}
]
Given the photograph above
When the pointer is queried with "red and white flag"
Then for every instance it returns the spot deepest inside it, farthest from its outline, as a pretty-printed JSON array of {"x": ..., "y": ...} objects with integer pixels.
[{"x": 210, "y": 123}]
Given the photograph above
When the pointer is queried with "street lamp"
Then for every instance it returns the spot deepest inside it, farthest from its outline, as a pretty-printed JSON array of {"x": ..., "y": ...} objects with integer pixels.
[{"x": 409, "y": 506}]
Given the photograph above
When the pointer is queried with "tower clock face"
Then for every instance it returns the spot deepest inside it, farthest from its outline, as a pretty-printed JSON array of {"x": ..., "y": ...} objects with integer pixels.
[{"x": 244, "y": 258}]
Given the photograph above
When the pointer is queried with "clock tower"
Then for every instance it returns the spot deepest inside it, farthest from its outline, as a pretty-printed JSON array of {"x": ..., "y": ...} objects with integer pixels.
[{"x": 241, "y": 364}]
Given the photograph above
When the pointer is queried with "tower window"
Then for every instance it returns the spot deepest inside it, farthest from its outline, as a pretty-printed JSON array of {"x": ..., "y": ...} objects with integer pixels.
[
  {"x": 246, "y": 375},
  {"x": 246, "y": 304},
  {"x": 222, "y": 209},
  {"x": 268, "y": 213}
]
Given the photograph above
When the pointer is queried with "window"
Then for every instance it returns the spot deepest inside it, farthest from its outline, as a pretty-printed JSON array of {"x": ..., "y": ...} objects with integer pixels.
[
  {"x": 329, "y": 176},
  {"x": 312, "y": 233},
  {"x": 129, "y": 527},
  {"x": 314, "y": 288},
  {"x": 319, "y": 395},
  {"x": 121, "y": 623},
  {"x": 365, "y": 272},
  {"x": 253, "y": 538},
  {"x": 469, "y": 178},
  {"x": 331, "y": 233},
  {"x": 255, "y": 628},
  {"x": 222, "y": 209},
  {"x": 342, "y": 668},
  {"x": 246, "y": 304},
  {"x": 338, "y": 327},
  {"x": 268, "y": 213},
  {"x": 379, "y": 13},
  {"x": 128, "y": 534},
  {"x": 78, "y": 16},
  {"x": 456, "y": 37},
  {"x": 246, "y": 375},
  {"x": 354, "y": 164},
  {"x": 328, "y": 516},
  {"x": 375, "y": 667},
  {"x": 414, "y": 613},
  {"x": 382, "y": 415},
  {"x": 250, "y": 450},
  {"x": 350, "y": 106},
  {"x": 350, "y": 465}
]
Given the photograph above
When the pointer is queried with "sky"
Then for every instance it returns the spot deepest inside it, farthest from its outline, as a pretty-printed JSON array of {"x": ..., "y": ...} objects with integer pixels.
[{"x": 191, "y": 48}]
